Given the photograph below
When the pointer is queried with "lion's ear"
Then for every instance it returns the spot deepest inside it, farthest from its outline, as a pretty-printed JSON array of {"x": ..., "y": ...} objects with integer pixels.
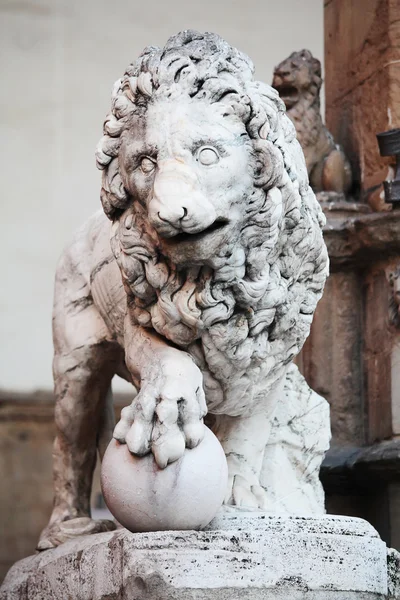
[
  {"x": 268, "y": 164},
  {"x": 110, "y": 211},
  {"x": 114, "y": 196},
  {"x": 231, "y": 99},
  {"x": 316, "y": 66},
  {"x": 234, "y": 105}
]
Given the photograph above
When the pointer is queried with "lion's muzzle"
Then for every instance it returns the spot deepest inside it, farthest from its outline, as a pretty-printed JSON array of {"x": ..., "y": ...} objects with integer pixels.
[{"x": 178, "y": 204}]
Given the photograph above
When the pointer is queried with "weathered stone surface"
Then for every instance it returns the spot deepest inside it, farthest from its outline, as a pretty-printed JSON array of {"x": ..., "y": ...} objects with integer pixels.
[
  {"x": 362, "y": 82},
  {"x": 330, "y": 356},
  {"x": 368, "y": 464},
  {"x": 250, "y": 556},
  {"x": 356, "y": 238},
  {"x": 393, "y": 558}
]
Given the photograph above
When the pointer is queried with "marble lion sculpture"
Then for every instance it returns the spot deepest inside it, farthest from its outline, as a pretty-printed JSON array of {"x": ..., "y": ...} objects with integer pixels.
[{"x": 205, "y": 294}]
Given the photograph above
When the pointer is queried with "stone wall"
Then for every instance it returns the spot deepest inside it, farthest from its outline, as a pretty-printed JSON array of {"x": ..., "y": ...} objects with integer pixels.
[{"x": 26, "y": 440}]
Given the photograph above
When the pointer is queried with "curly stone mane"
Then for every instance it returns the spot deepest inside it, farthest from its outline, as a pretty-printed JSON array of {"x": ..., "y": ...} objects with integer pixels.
[{"x": 254, "y": 304}]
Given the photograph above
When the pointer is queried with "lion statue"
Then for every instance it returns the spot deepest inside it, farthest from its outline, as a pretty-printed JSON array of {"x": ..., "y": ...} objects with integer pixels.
[
  {"x": 205, "y": 294},
  {"x": 298, "y": 81}
]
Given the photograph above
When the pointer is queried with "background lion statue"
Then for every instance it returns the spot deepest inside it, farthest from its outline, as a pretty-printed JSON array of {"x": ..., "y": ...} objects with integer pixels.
[
  {"x": 298, "y": 81},
  {"x": 206, "y": 294}
]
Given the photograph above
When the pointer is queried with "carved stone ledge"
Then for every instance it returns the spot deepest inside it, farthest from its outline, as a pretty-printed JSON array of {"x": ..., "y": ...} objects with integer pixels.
[
  {"x": 355, "y": 236},
  {"x": 244, "y": 555},
  {"x": 346, "y": 469}
]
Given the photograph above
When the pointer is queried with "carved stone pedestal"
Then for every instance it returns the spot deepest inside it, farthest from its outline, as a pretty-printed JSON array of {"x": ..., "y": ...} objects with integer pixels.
[{"x": 241, "y": 555}]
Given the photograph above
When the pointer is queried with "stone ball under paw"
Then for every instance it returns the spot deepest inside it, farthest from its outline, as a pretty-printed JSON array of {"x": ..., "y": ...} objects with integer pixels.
[{"x": 187, "y": 494}]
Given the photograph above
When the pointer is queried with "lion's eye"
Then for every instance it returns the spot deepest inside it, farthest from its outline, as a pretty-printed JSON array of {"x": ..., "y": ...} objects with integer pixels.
[
  {"x": 208, "y": 156},
  {"x": 147, "y": 165}
]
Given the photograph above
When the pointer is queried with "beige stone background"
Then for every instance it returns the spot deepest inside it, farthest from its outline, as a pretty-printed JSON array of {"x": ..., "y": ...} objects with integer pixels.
[{"x": 58, "y": 61}]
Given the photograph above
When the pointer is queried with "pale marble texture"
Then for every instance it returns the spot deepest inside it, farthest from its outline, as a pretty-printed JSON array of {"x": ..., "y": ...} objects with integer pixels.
[
  {"x": 217, "y": 236},
  {"x": 186, "y": 495},
  {"x": 246, "y": 556}
]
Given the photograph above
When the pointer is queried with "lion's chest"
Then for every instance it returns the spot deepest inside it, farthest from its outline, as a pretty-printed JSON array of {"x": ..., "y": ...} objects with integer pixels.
[
  {"x": 310, "y": 133},
  {"x": 238, "y": 369},
  {"x": 230, "y": 344}
]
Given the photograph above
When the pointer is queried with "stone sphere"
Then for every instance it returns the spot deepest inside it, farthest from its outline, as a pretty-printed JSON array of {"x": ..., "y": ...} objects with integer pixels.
[{"x": 187, "y": 494}]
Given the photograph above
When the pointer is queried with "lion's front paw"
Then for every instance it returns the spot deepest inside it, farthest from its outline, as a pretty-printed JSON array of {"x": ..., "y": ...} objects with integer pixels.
[
  {"x": 167, "y": 414},
  {"x": 246, "y": 494},
  {"x": 244, "y": 487}
]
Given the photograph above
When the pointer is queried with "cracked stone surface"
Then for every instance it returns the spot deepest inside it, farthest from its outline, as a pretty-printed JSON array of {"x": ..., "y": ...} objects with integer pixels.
[{"x": 246, "y": 555}]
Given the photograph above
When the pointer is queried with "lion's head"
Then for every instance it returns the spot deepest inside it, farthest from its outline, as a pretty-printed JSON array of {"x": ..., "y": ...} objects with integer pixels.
[
  {"x": 297, "y": 77},
  {"x": 213, "y": 218}
]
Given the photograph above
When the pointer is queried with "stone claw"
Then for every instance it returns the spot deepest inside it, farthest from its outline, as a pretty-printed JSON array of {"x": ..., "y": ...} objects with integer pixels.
[{"x": 167, "y": 414}]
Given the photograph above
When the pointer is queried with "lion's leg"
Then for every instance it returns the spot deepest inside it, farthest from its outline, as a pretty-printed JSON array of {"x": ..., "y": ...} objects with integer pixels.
[
  {"x": 296, "y": 447},
  {"x": 82, "y": 381},
  {"x": 244, "y": 439},
  {"x": 335, "y": 172},
  {"x": 315, "y": 177},
  {"x": 85, "y": 361}
]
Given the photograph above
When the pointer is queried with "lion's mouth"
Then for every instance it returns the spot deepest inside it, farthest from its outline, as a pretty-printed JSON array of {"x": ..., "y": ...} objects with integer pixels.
[
  {"x": 218, "y": 225},
  {"x": 289, "y": 94}
]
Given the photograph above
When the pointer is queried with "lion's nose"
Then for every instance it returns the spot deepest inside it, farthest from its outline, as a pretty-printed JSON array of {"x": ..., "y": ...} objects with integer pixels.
[
  {"x": 168, "y": 209},
  {"x": 172, "y": 215},
  {"x": 173, "y": 191},
  {"x": 178, "y": 203}
]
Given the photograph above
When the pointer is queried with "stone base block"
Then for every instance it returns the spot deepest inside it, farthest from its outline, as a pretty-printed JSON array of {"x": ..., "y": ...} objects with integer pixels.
[{"x": 241, "y": 556}]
